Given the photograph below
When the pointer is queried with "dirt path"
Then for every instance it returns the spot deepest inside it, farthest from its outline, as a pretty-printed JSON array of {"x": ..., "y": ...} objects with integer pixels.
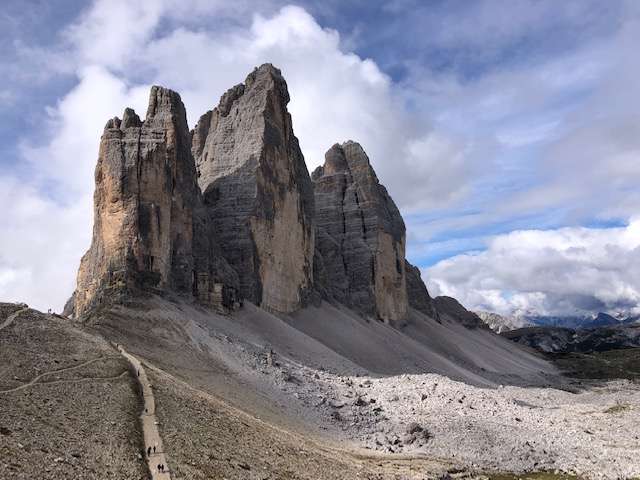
[
  {"x": 60, "y": 370},
  {"x": 12, "y": 317},
  {"x": 149, "y": 421}
]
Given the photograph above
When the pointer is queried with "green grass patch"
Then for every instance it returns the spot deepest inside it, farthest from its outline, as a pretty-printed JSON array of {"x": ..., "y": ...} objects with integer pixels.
[{"x": 610, "y": 364}]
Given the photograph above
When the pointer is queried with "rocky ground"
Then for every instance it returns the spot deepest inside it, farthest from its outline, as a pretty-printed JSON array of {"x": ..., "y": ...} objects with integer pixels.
[
  {"x": 209, "y": 439},
  {"x": 579, "y": 427},
  {"x": 68, "y": 408},
  {"x": 590, "y": 433}
]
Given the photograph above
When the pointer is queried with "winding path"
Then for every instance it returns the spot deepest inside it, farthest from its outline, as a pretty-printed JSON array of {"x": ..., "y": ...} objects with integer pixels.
[
  {"x": 35, "y": 380},
  {"x": 149, "y": 420},
  {"x": 12, "y": 317}
]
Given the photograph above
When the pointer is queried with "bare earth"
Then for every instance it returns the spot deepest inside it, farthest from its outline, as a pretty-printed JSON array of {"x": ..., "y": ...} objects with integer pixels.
[
  {"x": 67, "y": 404},
  {"x": 331, "y": 387},
  {"x": 315, "y": 395}
]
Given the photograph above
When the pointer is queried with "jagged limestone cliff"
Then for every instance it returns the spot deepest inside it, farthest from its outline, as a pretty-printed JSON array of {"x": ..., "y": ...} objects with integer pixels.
[
  {"x": 360, "y": 236},
  {"x": 228, "y": 211},
  {"x": 147, "y": 207},
  {"x": 258, "y": 192}
]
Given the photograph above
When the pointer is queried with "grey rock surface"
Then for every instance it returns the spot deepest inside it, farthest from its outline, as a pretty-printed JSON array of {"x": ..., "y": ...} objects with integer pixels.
[
  {"x": 417, "y": 292},
  {"x": 257, "y": 190},
  {"x": 360, "y": 236},
  {"x": 449, "y": 308}
]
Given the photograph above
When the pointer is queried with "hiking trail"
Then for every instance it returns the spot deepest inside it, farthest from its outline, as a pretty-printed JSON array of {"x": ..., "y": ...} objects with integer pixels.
[
  {"x": 12, "y": 317},
  {"x": 149, "y": 420}
]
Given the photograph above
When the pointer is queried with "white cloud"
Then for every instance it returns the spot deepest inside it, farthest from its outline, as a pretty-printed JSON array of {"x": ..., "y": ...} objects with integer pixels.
[
  {"x": 40, "y": 245},
  {"x": 555, "y": 272},
  {"x": 119, "y": 51}
]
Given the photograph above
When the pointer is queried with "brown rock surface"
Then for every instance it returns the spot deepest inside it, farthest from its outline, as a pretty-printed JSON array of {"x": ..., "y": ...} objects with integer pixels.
[
  {"x": 257, "y": 190},
  {"x": 146, "y": 208},
  {"x": 360, "y": 236}
]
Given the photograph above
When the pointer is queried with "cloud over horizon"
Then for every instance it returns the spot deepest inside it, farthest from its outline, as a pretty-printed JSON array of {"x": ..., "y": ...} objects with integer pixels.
[
  {"x": 472, "y": 137},
  {"x": 568, "y": 271}
]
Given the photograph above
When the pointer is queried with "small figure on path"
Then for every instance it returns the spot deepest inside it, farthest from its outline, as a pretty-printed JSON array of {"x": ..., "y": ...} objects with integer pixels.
[
  {"x": 148, "y": 451},
  {"x": 154, "y": 449},
  {"x": 159, "y": 467}
]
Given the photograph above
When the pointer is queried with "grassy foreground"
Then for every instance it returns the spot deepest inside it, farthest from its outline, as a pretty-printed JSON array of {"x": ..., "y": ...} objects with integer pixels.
[{"x": 610, "y": 364}]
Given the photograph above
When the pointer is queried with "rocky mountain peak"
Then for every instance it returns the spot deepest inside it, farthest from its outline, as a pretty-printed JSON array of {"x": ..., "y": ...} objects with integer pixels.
[
  {"x": 165, "y": 104},
  {"x": 145, "y": 200},
  {"x": 130, "y": 119},
  {"x": 229, "y": 211},
  {"x": 257, "y": 190},
  {"x": 360, "y": 236}
]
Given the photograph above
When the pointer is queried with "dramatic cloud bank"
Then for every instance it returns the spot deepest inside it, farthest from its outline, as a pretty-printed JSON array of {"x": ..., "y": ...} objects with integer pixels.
[
  {"x": 480, "y": 119},
  {"x": 562, "y": 272},
  {"x": 117, "y": 51}
]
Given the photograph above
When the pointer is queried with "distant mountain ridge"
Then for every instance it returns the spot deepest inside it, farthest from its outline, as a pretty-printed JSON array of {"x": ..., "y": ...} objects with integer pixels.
[
  {"x": 504, "y": 323},
  {"x": 584, "y": 340}
]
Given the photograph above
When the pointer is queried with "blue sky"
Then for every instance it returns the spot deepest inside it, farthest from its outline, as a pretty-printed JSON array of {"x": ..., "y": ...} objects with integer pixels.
[{"x": 490, "y": 122}]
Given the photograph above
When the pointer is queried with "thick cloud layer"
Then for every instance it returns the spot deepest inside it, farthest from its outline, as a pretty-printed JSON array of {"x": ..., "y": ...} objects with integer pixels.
[
  {"x": 561, "y": 272},
  {"x": 479, "y": 119},
  {"x": 117, "y": 50}
]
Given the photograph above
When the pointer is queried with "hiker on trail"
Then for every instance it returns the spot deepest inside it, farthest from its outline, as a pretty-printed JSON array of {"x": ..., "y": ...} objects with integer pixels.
[
  {"x": 148, "y": 451},
  {"x": 154, "y": 449},
  {"x": 159, "y": 467}
]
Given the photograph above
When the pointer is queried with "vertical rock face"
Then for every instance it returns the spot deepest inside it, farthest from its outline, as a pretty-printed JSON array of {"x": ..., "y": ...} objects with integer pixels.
[
  {"x": 360, "y": 236},
  {"x": 257, "y": 190},
  {"x": 228, "y": 211},
  {"x": 145, "y": 202},
  {"x": 418, "y": 294}
]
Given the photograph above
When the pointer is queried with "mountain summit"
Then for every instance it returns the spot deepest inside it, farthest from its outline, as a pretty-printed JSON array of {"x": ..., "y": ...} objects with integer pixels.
[{"x": 228, "y": 212}]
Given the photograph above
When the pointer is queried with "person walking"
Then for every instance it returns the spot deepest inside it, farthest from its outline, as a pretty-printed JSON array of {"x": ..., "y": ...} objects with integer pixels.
[{"x": 148, "y": 451}]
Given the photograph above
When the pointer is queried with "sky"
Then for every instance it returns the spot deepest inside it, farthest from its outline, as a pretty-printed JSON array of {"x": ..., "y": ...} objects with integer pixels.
[{"x": 507, "y": 131}]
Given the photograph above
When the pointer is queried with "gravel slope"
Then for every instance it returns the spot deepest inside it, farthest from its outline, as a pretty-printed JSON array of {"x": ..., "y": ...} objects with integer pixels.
[{"x": 308, "y": 382}]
